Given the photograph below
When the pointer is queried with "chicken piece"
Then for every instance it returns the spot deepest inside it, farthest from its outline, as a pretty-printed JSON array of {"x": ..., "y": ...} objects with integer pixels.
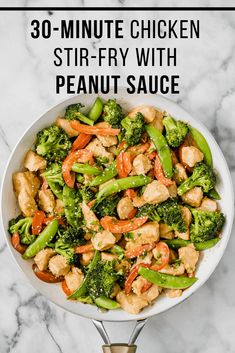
[
  {"x": 138, "y": 285},
  {"x": 174, "y": 270},
  {"x": 86, "y": 258},
  {"x": 193, "y": 197},
  {"x": 113, "y": 150},
  {"x": 34, "y": 162},
  {"x": 27, "y": 203},
  {"x": 165, "y": 231},
  {"x": 141, "y": 164},
  {"x": 91, "y": 220},
  {"x": 148, "y": 112},
  {"x": 101, "y": 186},
  {"x": 107, "y": 141},
  {"x": 88, "y": 236},
  {"x": 146, "y": 259},
  {"x": 27, "y": 181},
  {"x": 157, "y": 122},
  {"x": 208, "y": 205},
  {"x": 173, "y": 255},
  {"x": 106, "y": 256},
  {"x": 155, "y": 193},
  {"x": 138, "y": 201},
  {"x": 147, "y": 234},
  {"x": 180, "y": 174},
  {"x": 103, "y": 240},
  {"x": 116, "y": 290},
  {"x": 173, "y": 293},
  {"x": 172, "y": 190},
  {"x": 187, "y": 215},
  {"x": 191, "y": 155},
  {"x": 189, "y": 257},
  {"x": 152, "y": 293},
  {"x": 184, "y": 236},
  {"x": 58, "y": 265},
  {"x": 98, "y": 150},
  {"x": 131, "y": 302},
  {"x": 42, "y": 258},
  {"x": 59, "y": 207},
  {"x": 46, "y": 200},
  {"x": 65, "y": 125},
  {"x": 124, "y": 207},
  {"x": 74, "y": 278}
]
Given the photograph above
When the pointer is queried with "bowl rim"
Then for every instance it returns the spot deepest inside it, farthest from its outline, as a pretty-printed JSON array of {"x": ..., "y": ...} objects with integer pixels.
[{"x": 143, "y": 314}]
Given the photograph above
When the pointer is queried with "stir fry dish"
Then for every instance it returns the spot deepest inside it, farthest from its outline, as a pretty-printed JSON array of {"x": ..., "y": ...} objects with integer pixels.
[{"x": 117, "y": 207}]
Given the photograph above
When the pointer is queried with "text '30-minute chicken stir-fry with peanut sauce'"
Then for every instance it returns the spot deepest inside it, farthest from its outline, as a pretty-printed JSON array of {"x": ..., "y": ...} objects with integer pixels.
[{"x": 117, "y": 207}]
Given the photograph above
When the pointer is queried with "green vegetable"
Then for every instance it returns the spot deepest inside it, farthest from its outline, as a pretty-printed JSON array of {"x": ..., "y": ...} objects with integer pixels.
[
  {"x": 72, "y": 199},
  {"x": 69, "y": 238},
  {"x": 162, "y": 148},
  {"x": 117, "y": 249},
  {"x": 22, "y": 226},
  {"x": 73, "y": 113},
  {"x": 87, "y": 194},
  {"x": 123, "y": 184},
  {"x": 82, "y": 289},
  {"x": 42, "y": 240},
  {"x": 133, "y": 129},
  {"x": 202, "y": 176},
  {"x": 167, "y": 281},
  {"x": 53, "y": 143},
  {"x": 206, "y": 244},
  {"x": 171, "y": 214},
  {"x": 179, "y": 243},
  {"x": 213, "y": 194},
  {"x": 53, "y": 176},
  {"x": 202, "y": 145},
  {"x": 106, "y": 206},
  {"x": 206, "y": 225},
  {"x": 176, "y": 131},
  {"x": 109, "y": 173},
  {"x": 101, "y": 161},
  {"x": 85, "y": 169},
  {"x": 150, "y": 211},
  {"x": 96, "y": 110},
  {"x": 112, "y": 113},
  {"x": 106, "y": 303}
]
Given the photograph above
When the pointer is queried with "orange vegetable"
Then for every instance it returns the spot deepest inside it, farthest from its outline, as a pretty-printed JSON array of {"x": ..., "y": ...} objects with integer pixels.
[
  {"x": 84, "y": 249},
  {"x": 139, "y": 149},
  {"x": 94, "y": 130},
  {"x": 37, "y": 223},
  {"x": 15, "y": 241},
  {"x": 163, "y": 256},
  {"x": 65, "y": 288},
  {"x": 122, "y": 226},
  {"x": 159, "y": 174},
  {"x": 46, "y": 276},
  {"x": 120, "y": 166},
  {"x": 81, "y": 141},
  {"x": 132, "y": 213},
  {"x": 138, "y": 250},
  {"x": 131, "y": 193},
  {"x": 132, "y": 276},
  {"x": 50, "y": 218},
  {"x": 146, "y": 286}
]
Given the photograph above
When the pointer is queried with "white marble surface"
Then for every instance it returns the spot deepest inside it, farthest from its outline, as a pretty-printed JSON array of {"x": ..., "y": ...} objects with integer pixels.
[{"x": 205, "y": 323}]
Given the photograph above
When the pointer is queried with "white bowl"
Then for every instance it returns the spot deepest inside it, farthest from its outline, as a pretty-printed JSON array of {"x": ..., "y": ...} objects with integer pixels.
[{"x": 210, "y": 258}]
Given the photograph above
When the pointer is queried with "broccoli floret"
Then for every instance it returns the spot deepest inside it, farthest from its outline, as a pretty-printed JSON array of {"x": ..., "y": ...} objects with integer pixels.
[
  {"x": 101, "y": 161},
  {"x": 133, "y": 129},
  {"x": 176, "y": 131},
  {"x": 150, "y": 211},
  {"x": 22, "y": 226},
  {"x": 112, "y": 113},
  {"x": 206, "y": 225},
  {"x": 202, "y": 176},
  {"x": 72, "y": 200},
  {"x": 106, "y": 206},
  {"x": 53, "y": 143},
  {"x": 171, "y": 214},
  {"x": 87, "y": 194},
  {"x": 73, "y": 111},
  {"x": 101, "y": 280},
  {"x": 53, "y": 176},
  {"x": 69, "y": 238}
]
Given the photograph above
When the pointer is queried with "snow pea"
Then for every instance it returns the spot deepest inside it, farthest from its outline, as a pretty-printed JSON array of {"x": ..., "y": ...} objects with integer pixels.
[
  {"x": 206, "y": 244},
  {"x": 42, "y": 240},
  {"x": 106, "y": 303},
  {"x": 178, "y": 243},
  {"x": 162, "y": 148},
  {"x": 116, "y": 249},
  {"x": 96, "y": 109},
  {"x": 123, "y": 184},
  {"x": 202, "y": 145},
  {"x": 166, "y": 281},
  {"x": 56, "y": 189},
  {"x": 213, "y": 194},
  {"x": 85, "y": 169},
  {"x": 109, "y": 173},
  {"x": 82, "y": 289}
]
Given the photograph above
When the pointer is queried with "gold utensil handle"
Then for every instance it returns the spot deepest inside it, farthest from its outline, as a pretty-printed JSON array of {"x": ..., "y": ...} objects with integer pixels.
[{"x": 119, "y": 348}]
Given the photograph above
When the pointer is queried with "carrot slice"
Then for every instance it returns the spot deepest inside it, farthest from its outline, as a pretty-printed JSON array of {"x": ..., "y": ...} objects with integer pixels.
[
  {"x": 122, "y": 226},
  {"x": 132, "y": 213},
  {"x": 46, "y": 276},
  {"x": 159, "y": 174},
  {"x": 120, "y": 166},
  {"x": 81, "y": 141},
  {"x": 65, "y": 288},
  {"x": 84, "y": 249},
  {"x": 15, "y": 241},
  {"x": 37, "y": 223},
  {"x": 163, "y": 256},
  {"x": 132, "y": 276},
  {"x": 138, "y": 250},
  {"x": 131, "y": 193},
  {"x": 139, "y": 149},
  {"x": 93, "y": 130}
]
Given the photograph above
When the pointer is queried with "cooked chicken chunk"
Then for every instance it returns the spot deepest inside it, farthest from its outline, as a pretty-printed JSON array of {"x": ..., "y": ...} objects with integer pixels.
[
  {"x": 98, "y": 150},
  {"x": 148, "y": 233},
  {"x": 91, "y": 220},
  {"x": 173, "y": 293},
  {"x": 138, "y": 201},
  {"x": 74, "y": 278},
  {"x": 27, "y": 203},
  {"x": 103, "y": 240},
  {"x": 58, "y": 265},
  {"x": 146, "y": 259},
  {"x": 107, "y": 141},
  {"x": 46, "y": 200},
  {"x": 157, "y": 122},
  {"x": 141, "y": 164},
  {"x": 65, "y": 125},
  {"x": 131, "y": 302},
  {"x": 34, "y": 162},
  {"x": 193, "y": 197},
  {"x": 189, "y": 257},
  {"x": 124, "y": 207},
  {"x": 180, "y": 174},
  {"x": 138, "y": 285},
  {"x": 165, "y": 231},
  {"x": 173, "y": 190},
  {"x": 191, "y": 155},
  {"x": 155, "y": 192},
  {"x": 59, "y": 207},
  {"x": 106, "y": 256},
  {"x": 27, "y": 181},
  {"x": 152, "y": 293},
  {"x": 148, "y": 112},
  {"x": 175, "y": 269},
  {"x": 86, "y": 258},
  {"x": 42, "y": 258},
  {"x": 208, "y": 205}
]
